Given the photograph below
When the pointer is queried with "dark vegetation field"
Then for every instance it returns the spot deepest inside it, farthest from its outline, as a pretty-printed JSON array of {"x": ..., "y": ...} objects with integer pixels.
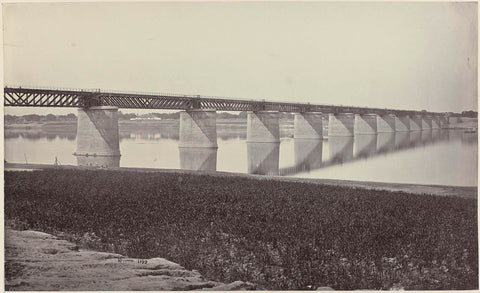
[{"x": 279, "y": 235}]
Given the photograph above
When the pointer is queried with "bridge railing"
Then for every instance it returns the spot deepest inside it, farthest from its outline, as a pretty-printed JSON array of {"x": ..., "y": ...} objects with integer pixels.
[
  {"x": 165, "y": 94},
  {"x": 42, "y": 97}
]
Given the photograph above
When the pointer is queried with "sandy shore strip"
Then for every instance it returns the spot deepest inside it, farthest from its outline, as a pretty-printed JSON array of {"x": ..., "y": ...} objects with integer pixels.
[{"x": 440, "y": 190}]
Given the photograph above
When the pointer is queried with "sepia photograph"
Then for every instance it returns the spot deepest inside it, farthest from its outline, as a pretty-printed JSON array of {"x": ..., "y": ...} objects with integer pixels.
[{"x": 240, "y": 145}]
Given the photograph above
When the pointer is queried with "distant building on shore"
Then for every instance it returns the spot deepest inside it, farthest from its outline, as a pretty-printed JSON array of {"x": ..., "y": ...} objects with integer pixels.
[{"x": 145, "y": 118}]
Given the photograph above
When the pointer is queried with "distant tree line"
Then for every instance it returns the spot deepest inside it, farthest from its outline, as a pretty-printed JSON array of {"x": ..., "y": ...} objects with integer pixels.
[
  {"x": 469, "y": 114},
  {"x": 168, "y": 116},
  {"x": 38, "y": 118},
  {"x": 176, "y": 115}
]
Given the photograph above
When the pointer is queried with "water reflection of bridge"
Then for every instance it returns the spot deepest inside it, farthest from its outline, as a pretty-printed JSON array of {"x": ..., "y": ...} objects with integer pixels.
[
  {"x": 263, "y": 158},
  {"x": 308, "y": 153}
]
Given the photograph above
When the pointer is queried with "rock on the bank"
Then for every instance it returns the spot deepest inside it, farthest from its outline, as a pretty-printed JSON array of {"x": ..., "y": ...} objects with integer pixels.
[{"x": 36, "y": 261}]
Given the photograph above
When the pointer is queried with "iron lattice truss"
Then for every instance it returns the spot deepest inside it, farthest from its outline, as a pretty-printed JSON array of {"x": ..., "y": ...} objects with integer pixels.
[{"x": 34, "y": 97}]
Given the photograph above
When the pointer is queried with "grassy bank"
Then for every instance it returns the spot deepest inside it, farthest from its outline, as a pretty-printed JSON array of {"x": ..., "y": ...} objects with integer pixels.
[{"x": 279, "y": 235}]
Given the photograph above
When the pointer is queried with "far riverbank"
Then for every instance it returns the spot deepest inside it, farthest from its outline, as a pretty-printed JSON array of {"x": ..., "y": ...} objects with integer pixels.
[{"x": 455, "y": 123}]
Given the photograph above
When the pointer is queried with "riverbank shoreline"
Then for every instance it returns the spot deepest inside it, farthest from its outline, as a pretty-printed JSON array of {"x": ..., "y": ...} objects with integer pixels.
[
  {"x": 456, "y": 123},
  {"x": 278, "y": 235},
  {"x": 440, "y": 190}
]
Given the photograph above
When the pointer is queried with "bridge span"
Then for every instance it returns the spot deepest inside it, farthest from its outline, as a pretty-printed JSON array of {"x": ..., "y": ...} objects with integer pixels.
[
  {"x": 97, "y": 124},
  {"x": 41, "y": 97}
]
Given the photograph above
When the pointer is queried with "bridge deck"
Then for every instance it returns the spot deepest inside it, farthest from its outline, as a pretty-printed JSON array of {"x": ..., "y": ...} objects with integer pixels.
[{"x": 36, "y": 97}]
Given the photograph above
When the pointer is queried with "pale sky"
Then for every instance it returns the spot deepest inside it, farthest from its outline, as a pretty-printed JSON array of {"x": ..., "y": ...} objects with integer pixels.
[{"x": 408, "y": 55}]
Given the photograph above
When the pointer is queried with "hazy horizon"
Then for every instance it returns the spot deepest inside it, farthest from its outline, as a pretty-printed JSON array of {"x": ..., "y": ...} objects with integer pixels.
[{"x": 408, "y": 55}]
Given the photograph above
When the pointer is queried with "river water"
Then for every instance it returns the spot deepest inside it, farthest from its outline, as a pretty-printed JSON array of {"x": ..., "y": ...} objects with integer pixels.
[{"x": 443, "y": 157}]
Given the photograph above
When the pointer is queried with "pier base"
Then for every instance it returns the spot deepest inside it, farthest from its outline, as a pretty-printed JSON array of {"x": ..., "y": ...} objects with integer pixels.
[
  {"x": 341, "y": 124},
  {"x": 435, "y": 122},
  {"x": 97, "y": 137},
  {"x": 198, "y": 159},
  {"x": 402, "y": 123},
  {"x": 365, "y": 124},
  {"x": 415, "y": 123},
  {"x": 444, "y": 122},
  {"x": 325, "y": 118},
  {"x": 386, "y": 123},
  {"x": 426, "y": 123},
  {"x": 99, "y": 161},
  {"x": 198, "y": 128},
  {"x": 263, "y": 126},
  {"x": 308, "y": 126}
]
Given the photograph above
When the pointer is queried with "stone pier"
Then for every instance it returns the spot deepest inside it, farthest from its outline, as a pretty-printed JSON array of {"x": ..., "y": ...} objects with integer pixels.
[
  {"x": 365, "y": 124},
  {"x": 386, "y": 123},
  {"x": 415, "y": 123},
  {"x": 198, "y": 128},
  {"x": 444, "y": 122},
  {"x": 308, "y": 125},
  {"x": 402, "y": 123},
  {"x": 435, "y": 122},
  {"x": 263, "y": 126},
  {"x": 325, "y": 122},
  {"x": 341, "y": 124},
  {"x": 97, "y": 137},
  {"x": 426, "y": 122}
]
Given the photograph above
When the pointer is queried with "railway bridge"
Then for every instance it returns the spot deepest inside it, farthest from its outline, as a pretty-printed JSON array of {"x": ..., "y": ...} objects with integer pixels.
[{"x": 97, "y": 124}]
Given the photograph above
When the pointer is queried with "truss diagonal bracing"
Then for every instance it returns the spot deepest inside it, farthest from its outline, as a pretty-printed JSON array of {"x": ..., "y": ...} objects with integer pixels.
[{"x": 34, "y": 97}]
